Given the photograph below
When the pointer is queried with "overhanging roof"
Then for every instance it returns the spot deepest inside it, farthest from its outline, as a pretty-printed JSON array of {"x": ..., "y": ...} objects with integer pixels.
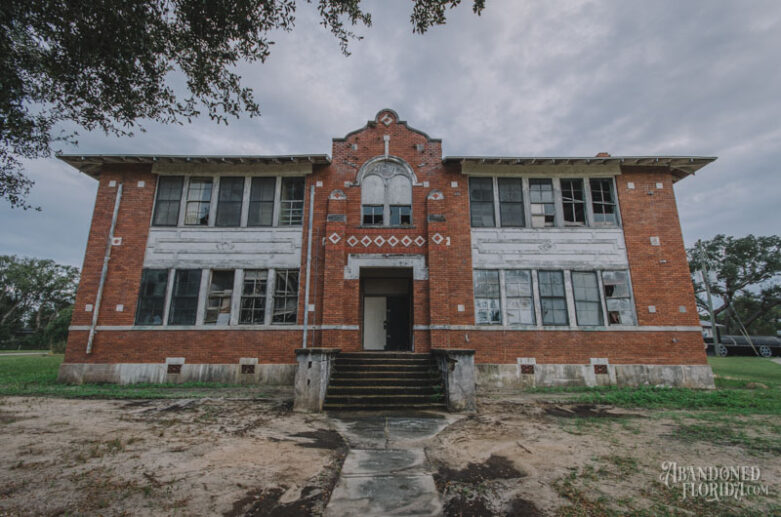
[
  {"x": 680, "y": 165},
  {"x": 91, "y": 163}
]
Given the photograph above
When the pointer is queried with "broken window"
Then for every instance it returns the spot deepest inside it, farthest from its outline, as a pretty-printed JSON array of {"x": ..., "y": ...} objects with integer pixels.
[
  {"x": 488, "y": 305},
  {"x": 519, "y": 296},
  {"x": 199, "y": 195},
  {"x": 253, "y": 297},
  {"x": 151, "y": 297},
  {"x": 218, "y": 300},
  {"x": 510, "y": 201},
  {"x": 618, "y": 298},
  {"x": 169, "y": 197},
  {"x": 291, "y": 207},
  {"x": 400, "y": 215},
  {"x": 285, "y": 296},
  {"x": 588, "y": 305},
  {"x": 481, "y": 202},
  {"x": 229, "y": 201},
  {"x": 553, "y": 300},
  {"x": 543, "y": 207},
  {"x": 184, "y": 299},
  {"x": 573, "y": 201},
  {"x": 261, "y": 202},
  {"x": 603, "y": 201},
  {"x": 372, "y": 214}
]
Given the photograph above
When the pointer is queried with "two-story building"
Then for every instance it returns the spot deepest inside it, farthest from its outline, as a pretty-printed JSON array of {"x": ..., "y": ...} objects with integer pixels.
[{"x": 554, "y": 270}]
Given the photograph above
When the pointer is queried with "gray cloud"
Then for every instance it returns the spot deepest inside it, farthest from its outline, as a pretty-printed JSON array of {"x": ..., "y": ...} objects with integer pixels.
[{"x": 530, "y": 78}]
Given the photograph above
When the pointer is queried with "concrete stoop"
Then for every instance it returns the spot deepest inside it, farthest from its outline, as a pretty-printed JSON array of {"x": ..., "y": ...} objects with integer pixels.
[{"x": 384, "y": 380}]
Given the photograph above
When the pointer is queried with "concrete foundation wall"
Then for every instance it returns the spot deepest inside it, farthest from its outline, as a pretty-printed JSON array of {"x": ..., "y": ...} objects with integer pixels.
[
  {"x": 491, "y": 376},
  {"x": 135, "y": 373}
]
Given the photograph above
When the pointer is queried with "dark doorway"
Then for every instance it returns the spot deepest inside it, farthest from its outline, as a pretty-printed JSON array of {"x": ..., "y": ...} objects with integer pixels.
[{"x": 387, "y": 309}]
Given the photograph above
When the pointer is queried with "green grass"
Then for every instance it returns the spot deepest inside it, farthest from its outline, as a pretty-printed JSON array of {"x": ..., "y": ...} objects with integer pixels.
[
  {"x": 35, "y": 375},
  {"x": 736, "y": 372},
  {"x": 2, "y": 352}
]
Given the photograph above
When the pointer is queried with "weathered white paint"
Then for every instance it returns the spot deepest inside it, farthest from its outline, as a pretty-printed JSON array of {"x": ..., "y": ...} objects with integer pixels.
[
  {"x": 355, "y": 262},
  {"x": 551, "y": 248},
  {"x": 374, "y": 308},
  {"x": 258, "y": 248},
  {"x": 534, "y": 328},
  {"x": 231, "y": 169},
  {"x": 562, "y": 170}
]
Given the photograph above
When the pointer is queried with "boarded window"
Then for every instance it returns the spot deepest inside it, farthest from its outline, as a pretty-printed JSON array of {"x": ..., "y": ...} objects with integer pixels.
[
  {"x": 488, "y": 304},
  {"x": 519, "y": 296},
  {"x": 261, "y": 202},
  {"x": 510, "y": 201},
  {"x": 229, "y": 202},
  {"x": 573, "y": 201},
  {"x": 603, "y": 202},
  {"x": 218, "y": 301},
  {"x": 285, "y": 296},
  {"x": 400, "y": 214},
  {"x": 199, "y": 195},
  {"x": 588, "y": 305},
  {"x": 253, "y": 297},
  {"x": 184, "y": 300},
  {"x": 481, "y": 202},
  {"x": 372, "y": 214},
  {"x": 553, "y": 301},
  {"x": 291, "y": 206},
  {"x": 169, "y": 197},
  {"x": 543, "y": 207},
  {"x": 618, "y": 298},
  {"x": 151, "y": 297}
]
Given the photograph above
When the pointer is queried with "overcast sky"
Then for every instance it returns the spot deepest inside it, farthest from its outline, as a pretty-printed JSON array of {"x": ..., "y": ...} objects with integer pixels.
[{"x": 575, "y": 77}]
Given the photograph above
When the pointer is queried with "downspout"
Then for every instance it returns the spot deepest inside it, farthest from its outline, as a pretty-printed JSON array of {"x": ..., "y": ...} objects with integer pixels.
[
  {"x": 104, "y": 271},
  {"x": 308, "y": 260}
]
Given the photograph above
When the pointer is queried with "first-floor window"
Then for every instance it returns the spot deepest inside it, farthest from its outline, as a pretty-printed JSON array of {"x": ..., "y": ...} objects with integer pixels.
[
  {"x": 588, "y": 305},
  {"x": 488, "y": 304},
  {"x": 618, "y": 298},
  {"x": 151, "y": 297},
  {"x": 285, "y": 296},
  {"x": 553, "y": 300},
  {"x": 253, "y": 297},
  {"x": 372, "y": 214},
  {"x": 519, "y": 296},
  {"x": 184, "y": 299},
  {"x": 400, "y": 214},
  {"x": 218, "y": 302}
]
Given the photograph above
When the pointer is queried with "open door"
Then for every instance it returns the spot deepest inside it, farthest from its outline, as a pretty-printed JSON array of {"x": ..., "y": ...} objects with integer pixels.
[{"x": 374, "y": 322}]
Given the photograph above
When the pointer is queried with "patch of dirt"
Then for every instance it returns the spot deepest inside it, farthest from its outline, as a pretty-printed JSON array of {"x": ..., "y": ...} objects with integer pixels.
[
  {"x": 585, "y": 411},
  {"x": 161, "y": 457},
  {"x": 495, "y": 467}
]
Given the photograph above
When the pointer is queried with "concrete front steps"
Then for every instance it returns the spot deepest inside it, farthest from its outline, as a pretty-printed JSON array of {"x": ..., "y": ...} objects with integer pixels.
[{"x": 384, "y": 380}]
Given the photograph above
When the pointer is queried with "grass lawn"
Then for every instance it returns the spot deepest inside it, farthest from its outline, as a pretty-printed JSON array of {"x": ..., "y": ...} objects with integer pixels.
[
  {"x": 2, "y": 352},
  {"x": 37, "y": 375}
]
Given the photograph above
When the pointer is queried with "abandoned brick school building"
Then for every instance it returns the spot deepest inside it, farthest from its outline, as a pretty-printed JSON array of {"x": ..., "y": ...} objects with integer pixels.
[{"x": 557, "y": 270}]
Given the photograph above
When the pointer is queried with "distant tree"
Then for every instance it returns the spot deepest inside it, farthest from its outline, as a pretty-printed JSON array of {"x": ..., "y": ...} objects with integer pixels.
[
  {"x": 106, "y": 64},
  {"x": 745, "y": 280},
  {"x": 32, "y": 294}
]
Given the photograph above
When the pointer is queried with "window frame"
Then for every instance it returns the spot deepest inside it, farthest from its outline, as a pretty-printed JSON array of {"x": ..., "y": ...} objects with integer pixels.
[
  {"x": 610, "y": 181},
  {"x": 199, "y": 202},
  {"x": 285, "y": 295},
  {"x": 177, "y": 202},
  {"x": 142, "y": 299},
  {"x": 473, "y": 202},
  {"x": 571, "y": 201},
  {"x": 498, "y": 298},
  {"x": 212, "y": 295},
  {"x": 601, "y": 317},
  {"x": 255, "y": 298},
  {"x": 552, "y": 202},
  {"x": 629, "y": 296},
  {"x": 508, "y": 297},
  {"x": 374, "y": 214},
  {"x": 221, "y": 203},
  {"x": 293, "y": 215},
  {"x": 521, "y": 203},
  {"x": 563, "y": 297},
  {"x": 272, "y": 180},
  {"x": 173, "y": 297}
]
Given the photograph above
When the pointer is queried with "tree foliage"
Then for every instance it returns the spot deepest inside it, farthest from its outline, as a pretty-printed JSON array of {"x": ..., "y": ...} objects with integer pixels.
[
  {"x": 33, "y": 293},
  {"x": 108, "y": 64},
  {"x": 745, "y": 280}
]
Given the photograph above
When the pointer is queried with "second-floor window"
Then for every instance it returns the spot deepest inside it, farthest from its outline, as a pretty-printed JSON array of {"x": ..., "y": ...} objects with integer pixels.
[
  {"x": 169, "y": 197},
  {"x": 229, "y": 201},
  {"x": 261, "y": 201},
  {"x": 291, "y": 206},
  {"x": 199, "y": 197},
  {"x": 386, "y": 195},
  {"x": 603, "y": 202},
  {"x": 543, "y": 206},
  {"x": 573, "y": 202}
]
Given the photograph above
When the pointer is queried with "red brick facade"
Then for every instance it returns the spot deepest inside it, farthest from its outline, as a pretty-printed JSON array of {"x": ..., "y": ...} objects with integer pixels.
[{"x": 441, "y": 226}]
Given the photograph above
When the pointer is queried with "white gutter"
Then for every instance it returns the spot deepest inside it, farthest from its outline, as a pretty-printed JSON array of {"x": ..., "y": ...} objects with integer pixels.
[
  {"x": 308, "y": 261},
  {"x": 104, "y": 271}
]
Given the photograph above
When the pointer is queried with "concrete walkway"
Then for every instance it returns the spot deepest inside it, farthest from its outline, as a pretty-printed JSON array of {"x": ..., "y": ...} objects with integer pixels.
[{"x": 385, "y": 471}]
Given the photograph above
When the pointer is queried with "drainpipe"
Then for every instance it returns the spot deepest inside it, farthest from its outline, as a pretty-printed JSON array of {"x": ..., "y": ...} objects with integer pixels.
[
  {"x": 308, "y": 260},
  {"x": 104, "y": 271}
]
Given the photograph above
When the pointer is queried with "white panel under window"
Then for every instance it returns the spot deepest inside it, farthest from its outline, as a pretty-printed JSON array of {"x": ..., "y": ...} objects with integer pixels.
[
  {"x": 399, "y": 190},
  {"x": 372, "y": 191}
]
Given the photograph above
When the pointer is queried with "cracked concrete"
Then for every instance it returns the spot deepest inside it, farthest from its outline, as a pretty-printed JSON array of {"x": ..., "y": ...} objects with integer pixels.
[{"x": 386, "y": 471}]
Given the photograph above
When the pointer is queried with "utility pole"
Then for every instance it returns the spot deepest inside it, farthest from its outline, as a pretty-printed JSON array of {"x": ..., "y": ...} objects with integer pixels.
[{"x": 706, "y": 280}]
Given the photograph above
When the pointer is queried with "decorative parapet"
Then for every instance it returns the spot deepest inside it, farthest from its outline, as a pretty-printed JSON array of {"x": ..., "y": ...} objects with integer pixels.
[
  {"x": 312, "y": 376},
  {"x": 457, "y": 367}
]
